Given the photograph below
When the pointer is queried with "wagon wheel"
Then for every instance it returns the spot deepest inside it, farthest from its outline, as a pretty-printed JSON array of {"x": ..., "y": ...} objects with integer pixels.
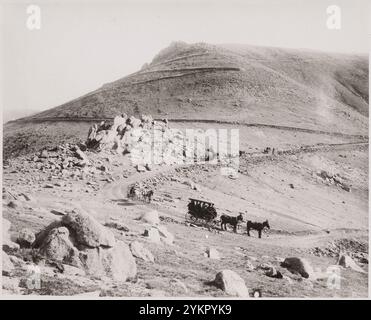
[
  {"x": 190, "y": 218},
  {"x": 213, "y": 223},
  {"x": 209, "y": 223}
]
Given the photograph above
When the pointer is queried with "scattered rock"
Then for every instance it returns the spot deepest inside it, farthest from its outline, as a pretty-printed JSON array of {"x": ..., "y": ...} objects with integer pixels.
[
  {"x": 58, "y": 213},
  {"x": 140, "y": 168},
  {"x": 44, "y": 154},
  {"x": 81, "y": 155},
  {"x": 117, "y": 225},
  {"x": 153, "y": 235},
  {"x": 347, "y": 262},
  {"x": 231, "y": 283},
  {"x": 138, "y": 251},
  {"x": 26, "y": 197},
  {"x": 212, "y": 253},
  {"x": 13, "y": 204},
  {"x": 346, "y": 187},
  {"x": 264, "y": 266},
  {"x": 102, "y": 168},
  {"x": 300, "y": 266},
  {"x": 26, "y": 238},
  {"x": 273, "y": 273}
]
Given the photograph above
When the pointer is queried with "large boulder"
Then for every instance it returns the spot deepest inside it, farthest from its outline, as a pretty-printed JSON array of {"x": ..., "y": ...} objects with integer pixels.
[
  {"x": 300, "y": 266},
  {"x": 82, "y": 242},
  {"x": 117, "y": 263},
  {"x": 139, "y": 251},
  {"x": 58, "y": 246},
  {"x": 347, "y": 262},
  {"x": 87, "y": 231},
  {"x": 231, "y": 283}
]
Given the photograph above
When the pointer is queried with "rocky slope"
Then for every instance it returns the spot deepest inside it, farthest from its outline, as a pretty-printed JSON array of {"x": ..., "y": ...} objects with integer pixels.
[{"x": 70, "y": 223}]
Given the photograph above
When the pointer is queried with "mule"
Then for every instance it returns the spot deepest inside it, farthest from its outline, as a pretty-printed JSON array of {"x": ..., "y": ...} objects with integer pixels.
[
  {"x": 258, "y": 226},
  {"x": 225, "y": 219}
]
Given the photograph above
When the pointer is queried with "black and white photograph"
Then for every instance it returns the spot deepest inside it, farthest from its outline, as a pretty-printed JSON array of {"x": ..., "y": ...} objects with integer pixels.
[{"x": 209, "y": 149}]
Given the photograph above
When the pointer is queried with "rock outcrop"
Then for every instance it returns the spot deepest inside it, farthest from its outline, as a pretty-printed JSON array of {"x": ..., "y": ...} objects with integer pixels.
[
  {"x": 147, "y": 141},
  {"x": 81, "y": 241}
]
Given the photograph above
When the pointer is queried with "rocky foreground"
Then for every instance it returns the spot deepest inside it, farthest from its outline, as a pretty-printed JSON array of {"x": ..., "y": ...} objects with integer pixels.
[{"x": 69, "y": 229}]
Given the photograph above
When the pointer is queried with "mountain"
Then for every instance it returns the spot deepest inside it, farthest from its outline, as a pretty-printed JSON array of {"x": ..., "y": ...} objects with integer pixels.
[
  {"x": 253, "y": 84},
  {"x": 264, "y": 85}
]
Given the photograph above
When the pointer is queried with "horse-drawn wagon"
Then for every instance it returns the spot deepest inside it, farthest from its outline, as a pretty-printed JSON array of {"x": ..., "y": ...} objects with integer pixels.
[{"x": 200, "y": 210}]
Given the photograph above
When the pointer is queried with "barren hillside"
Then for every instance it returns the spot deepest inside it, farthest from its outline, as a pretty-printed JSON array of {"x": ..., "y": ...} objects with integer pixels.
[
  {"x": 189, "y": 81},
  {"x": 96, "y": 223}
]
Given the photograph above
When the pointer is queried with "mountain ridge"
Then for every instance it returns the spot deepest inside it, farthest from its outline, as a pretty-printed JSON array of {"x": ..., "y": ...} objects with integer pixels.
[{"x": 308, "y": 88}]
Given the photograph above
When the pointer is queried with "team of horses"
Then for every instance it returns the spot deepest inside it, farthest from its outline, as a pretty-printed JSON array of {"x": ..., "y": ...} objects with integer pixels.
[
  {"x": 136, "y": 191},
  {"x": 234, "y": 221}
]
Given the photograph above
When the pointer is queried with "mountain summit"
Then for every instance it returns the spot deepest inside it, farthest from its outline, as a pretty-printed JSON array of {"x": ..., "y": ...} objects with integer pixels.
[{"x": 300, "y": 88}]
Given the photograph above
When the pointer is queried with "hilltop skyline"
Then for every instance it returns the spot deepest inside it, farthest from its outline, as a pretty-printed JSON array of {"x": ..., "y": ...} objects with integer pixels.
[{"x": 79, "y": 48}]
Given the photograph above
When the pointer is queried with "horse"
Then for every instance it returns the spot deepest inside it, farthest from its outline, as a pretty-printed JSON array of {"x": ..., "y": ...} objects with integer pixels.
[
  {"x": 147, "y": 195},
  {"x": 131, "y": 193},
  {"x": 230, "y": 220},
  {"x": 258, "y": 226}
]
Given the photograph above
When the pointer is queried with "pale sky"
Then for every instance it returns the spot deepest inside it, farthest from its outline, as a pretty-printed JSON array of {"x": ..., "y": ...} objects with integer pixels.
[{"x": 83, "y": 44}]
